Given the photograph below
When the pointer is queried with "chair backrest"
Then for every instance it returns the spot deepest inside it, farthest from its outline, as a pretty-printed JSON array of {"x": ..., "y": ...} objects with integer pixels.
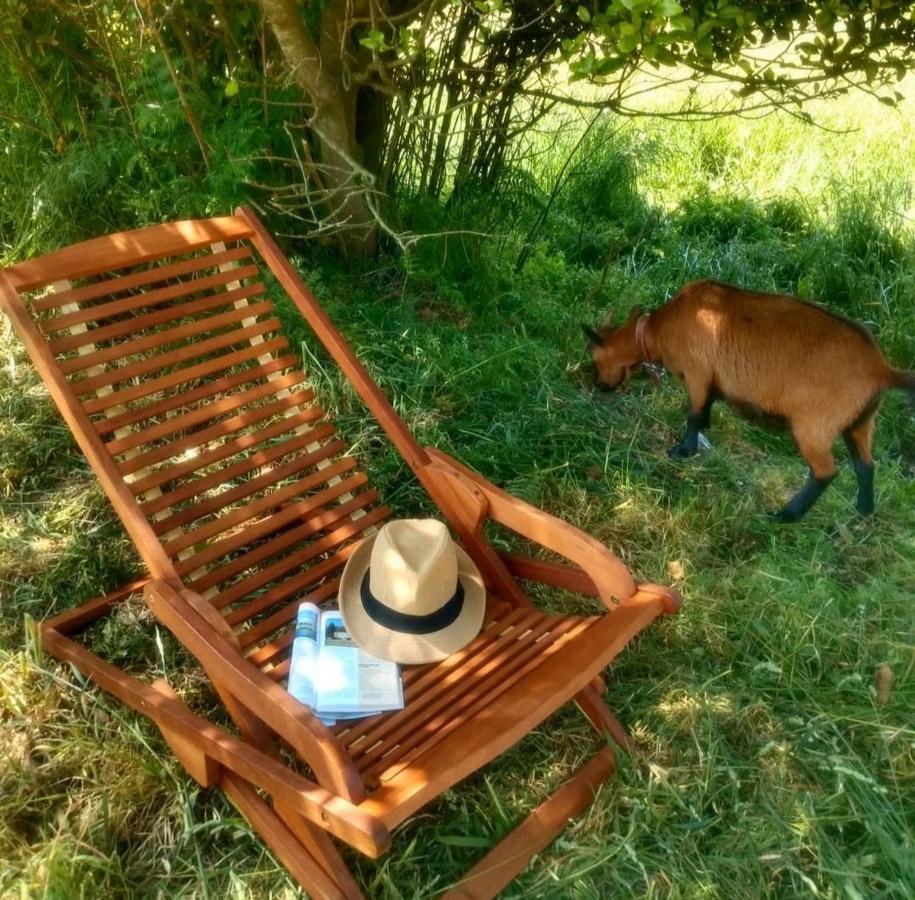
[{"x": 165, "y": 356}]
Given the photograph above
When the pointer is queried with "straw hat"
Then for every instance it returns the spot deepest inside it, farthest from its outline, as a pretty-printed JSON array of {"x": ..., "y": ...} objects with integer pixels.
[{"x": 410, "y": 594}]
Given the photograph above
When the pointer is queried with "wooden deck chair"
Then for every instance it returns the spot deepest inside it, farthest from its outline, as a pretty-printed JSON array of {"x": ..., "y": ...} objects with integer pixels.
[{"x": 166, "y": 360}]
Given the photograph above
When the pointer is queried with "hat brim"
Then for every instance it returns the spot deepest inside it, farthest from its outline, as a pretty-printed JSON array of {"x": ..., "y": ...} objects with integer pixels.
[{"x": 410, "y": 649}]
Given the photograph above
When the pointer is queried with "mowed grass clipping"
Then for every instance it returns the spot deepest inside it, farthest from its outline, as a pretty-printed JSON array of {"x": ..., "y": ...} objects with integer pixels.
[{"x": 767, "y": 766}]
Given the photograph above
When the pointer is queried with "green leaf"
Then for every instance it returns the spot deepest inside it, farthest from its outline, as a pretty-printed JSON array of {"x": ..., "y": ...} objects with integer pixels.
[
  {"x": 231, "y": 88},
  {"x": 582, "y": 67},
  {"x": 465, "y": 840},
  {"x": 705, "y": 28},
  {"x": 374, "y": 40},
  {"x": 628, "y": 43},
  {"x": 584, "y": 14},
  {"x": 668, "y": 8},
  {"x": 609, "y": 65}
]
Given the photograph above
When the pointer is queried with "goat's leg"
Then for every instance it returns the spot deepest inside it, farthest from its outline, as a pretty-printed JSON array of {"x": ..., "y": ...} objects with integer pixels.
[
  {"x": 818, "y": 454},
  {"x": 859, "y": 440},
  {"x": 701, "y": 398}
]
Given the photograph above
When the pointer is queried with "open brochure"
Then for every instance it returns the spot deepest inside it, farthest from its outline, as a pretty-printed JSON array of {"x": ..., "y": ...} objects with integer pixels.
[{"x": 332, "y": 676}]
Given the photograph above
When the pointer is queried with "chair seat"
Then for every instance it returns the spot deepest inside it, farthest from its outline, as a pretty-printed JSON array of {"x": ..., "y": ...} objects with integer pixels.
[
  {"x": 456, "y": 693},
  {"x": 444, "y": 696},
  {"x": 468, "y": 709}
]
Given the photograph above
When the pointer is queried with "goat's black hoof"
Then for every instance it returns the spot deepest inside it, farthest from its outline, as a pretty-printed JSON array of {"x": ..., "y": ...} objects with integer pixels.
[
  {"x": 680, "y": 451},
  {"x": 786, "y": 516},
  {"x": 865, "y": 509}
]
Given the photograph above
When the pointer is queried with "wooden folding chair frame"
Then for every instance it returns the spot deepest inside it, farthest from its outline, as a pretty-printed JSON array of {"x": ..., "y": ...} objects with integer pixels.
[{"x": 295, "y": 814}]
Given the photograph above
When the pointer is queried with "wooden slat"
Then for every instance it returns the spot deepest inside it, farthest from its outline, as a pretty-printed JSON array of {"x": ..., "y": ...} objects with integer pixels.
[
  {"x": 498, "y": 618},
  {"x": 237, "y": 423},
  {"x": 558, "y": 678},
  {"x": 297, "y": 560},
  {"x": 479, "y": 671},
  {"x": 128, "y": 248},
  {"x": 507, "y": 673},
  {"x": 224, "y": 499},
  {"x": 266, "y": 527},
  {"x": 502, "y": 651},
  {"x": 192, "y": 351},
  {"x": 183, "y": 376},
  {"x": 417, "y": 679},
  {"x": 293, "y": 585},
  {"x": 180, "y": 333},
  {"x": 224, "y": 450},
  {"x": 210, "y": 411},
  {"x": 316, "y": 588},
  {"x": 276, "y": 545},
  {"x": 139, "y": 324},
  {"x": 102, "y": 311},
  {"x": 137, "y": 279},
  {"x": 90, "y": 443},
  {"x": 243, "y": 467},
  {"x": 381, "y": 746},
  {"x": 287, "y": 615},
  {"x": 339, "y": 349},
  {"x": 180, "y": 399},
  {"x": 269, "y": 653},
  {"x": 257, "y": 507}
]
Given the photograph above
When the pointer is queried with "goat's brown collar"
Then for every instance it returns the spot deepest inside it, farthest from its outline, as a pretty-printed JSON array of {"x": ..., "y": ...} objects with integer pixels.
[
  {"x": 640, "y": 328},
  {"x": 653, "y": 366}
]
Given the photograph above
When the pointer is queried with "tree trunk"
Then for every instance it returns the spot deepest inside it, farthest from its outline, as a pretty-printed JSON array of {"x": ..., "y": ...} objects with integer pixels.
[{"x": 318, "y": 70}]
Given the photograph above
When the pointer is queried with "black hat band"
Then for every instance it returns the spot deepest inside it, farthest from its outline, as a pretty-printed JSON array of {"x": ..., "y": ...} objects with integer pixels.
[{"x": 383, "y": 615}]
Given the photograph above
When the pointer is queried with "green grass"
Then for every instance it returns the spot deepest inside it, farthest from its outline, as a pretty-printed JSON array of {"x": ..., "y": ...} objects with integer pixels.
[{"x": 767, "y": 766}]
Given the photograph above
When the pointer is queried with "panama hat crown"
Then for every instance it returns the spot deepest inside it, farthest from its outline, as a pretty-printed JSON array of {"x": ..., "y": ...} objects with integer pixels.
[
  {"x": 410, "y": 594},
  {"x": 413, "y": 568}
]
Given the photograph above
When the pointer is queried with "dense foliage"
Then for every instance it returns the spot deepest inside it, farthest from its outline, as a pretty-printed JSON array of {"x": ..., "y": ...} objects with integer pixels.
[{"x": 331, "y": 114}]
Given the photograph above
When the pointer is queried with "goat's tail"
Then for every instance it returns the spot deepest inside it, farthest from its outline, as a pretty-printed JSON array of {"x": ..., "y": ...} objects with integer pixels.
[{"x": 905, "y": 381}]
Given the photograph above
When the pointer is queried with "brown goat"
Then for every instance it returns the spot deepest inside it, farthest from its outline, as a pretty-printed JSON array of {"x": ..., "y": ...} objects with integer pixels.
[{"x": 773, "y": 358}]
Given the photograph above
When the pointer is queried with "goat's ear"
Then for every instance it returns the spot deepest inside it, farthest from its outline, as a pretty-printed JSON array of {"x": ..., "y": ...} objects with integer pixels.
[
  {"x": 634, "y": 315},
  {"x": 594, "y": 338}
]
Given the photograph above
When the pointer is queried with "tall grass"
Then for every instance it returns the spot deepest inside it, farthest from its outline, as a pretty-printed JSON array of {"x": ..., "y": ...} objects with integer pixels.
[{"x": 767, "y": 767}]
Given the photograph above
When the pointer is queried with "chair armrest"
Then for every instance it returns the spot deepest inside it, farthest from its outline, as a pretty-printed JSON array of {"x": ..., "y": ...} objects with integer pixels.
[
  {"x": 612, "y": 581},
  {"x": 228, "y": 668}
]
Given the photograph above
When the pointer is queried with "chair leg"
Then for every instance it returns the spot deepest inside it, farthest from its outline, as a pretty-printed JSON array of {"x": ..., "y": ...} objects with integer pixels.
[
  {"x": 591, "y": 703},
  {"x": 322, "y": 848},
  {"x": 512, "y": 854},
  {"x": 300, "y": 863}
]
